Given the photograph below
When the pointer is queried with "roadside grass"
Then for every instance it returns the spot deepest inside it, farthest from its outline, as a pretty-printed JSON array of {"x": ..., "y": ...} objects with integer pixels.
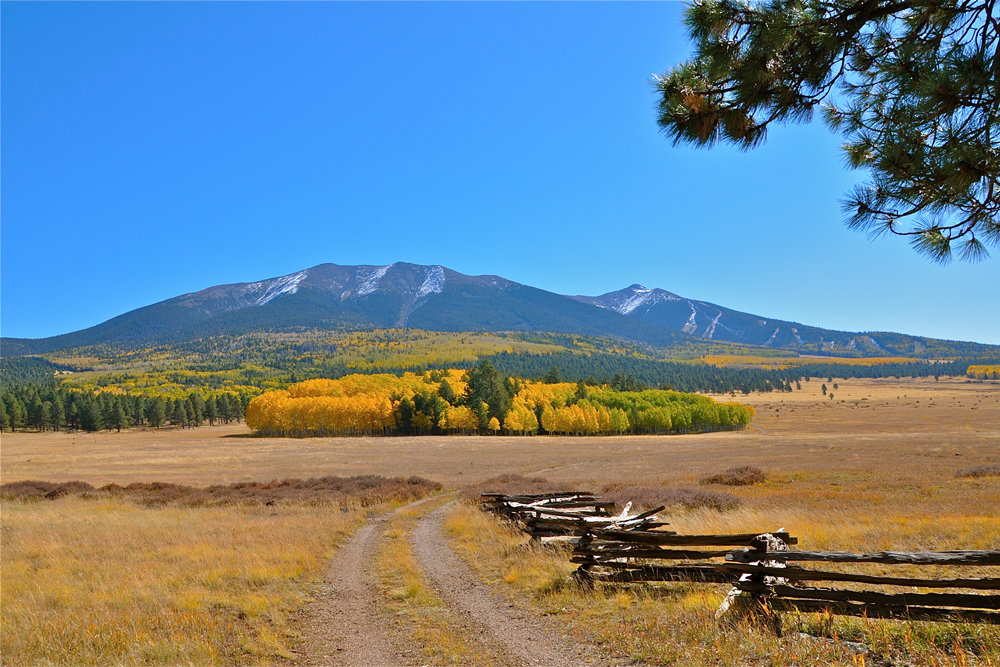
[
  {"x": 674, "y": 624},
  {"x": 99, "y": 578},
  {"x": 432, "y": 627}
]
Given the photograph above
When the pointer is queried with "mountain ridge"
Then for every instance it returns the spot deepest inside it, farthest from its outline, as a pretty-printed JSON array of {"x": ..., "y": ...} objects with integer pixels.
[{"x": 435, "y": 298}]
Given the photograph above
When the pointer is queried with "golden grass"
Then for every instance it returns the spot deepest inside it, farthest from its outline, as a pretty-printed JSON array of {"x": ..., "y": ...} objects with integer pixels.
[
  {"x": 431, "y": 626},
  {"x": 783, "y": 362},
  {"x": 928, "y": 424},
  {"x": 674, "y": 624},
  {"x": 873, "y": 469},
  {"x": 105, "y": 581}
]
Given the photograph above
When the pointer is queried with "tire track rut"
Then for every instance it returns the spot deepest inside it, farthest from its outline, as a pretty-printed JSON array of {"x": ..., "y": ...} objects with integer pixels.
[
  {"x": 345, "y": 626},
  {"x": 527, "y": 640}
]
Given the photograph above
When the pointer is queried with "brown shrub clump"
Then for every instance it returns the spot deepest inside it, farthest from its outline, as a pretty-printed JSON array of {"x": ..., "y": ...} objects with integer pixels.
[
  {"x": 512, "y": 485},
  {"x": 366, "y": 489},
  {"x": 653, "y": 496},
  {"x": 991, "y": 470},
  {"x": 739, "y": 476}
]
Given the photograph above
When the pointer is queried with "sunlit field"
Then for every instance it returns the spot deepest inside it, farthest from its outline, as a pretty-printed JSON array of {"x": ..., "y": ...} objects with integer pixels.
[
  {"x": 99, "y": 579},
  {"x": 93, "y": 581}
]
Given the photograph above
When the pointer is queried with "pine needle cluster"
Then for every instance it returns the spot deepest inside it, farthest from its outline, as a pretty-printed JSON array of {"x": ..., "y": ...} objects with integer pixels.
[{"x": 913, "y": 85}]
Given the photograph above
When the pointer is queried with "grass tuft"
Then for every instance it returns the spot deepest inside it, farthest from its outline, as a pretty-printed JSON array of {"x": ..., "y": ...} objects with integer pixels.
[{"x": 739, "y": 476}]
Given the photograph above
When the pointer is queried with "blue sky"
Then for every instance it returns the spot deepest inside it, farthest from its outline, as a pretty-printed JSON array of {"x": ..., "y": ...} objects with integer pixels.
[{"x": 153, "y": 149}]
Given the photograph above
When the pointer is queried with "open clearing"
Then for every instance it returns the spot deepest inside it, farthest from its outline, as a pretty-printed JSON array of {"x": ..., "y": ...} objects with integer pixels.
[
  {"x": 871, "y": 425},
  {"x": 874, "y": 468}
]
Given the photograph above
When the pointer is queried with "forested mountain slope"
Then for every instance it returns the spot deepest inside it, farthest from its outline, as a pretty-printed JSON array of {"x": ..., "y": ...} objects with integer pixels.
[
  {"x": 355, "y": 297},
  {"x": 707, "y": 320},
  {"x": 434, "y": 298}
]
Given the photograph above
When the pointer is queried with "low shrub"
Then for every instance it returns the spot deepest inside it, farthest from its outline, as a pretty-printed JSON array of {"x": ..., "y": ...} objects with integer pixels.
[
  {"x": 739, "y": 476},
  {"x": 991, "y": 470},
  {"x": 366, "y": 489},
  {"x": 512, "y": 485},
  {"x": 649, "y": 497}
]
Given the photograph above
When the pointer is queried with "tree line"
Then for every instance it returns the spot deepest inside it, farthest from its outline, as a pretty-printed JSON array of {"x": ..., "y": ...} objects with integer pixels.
[
  {"x": 52, "y": 408},
  {"x": 700, "y": 377},
  {"x": 484, "y": 400}
]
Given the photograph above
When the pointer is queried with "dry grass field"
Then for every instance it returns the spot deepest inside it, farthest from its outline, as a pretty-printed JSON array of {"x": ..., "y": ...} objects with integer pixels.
[
  {"x": 874, "y": 468},
  {"x": 897, "y": 427},
  {"x": 105, "y": 581}
]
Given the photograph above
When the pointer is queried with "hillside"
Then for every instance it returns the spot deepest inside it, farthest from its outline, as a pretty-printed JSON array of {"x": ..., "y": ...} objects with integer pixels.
[{"x": 330, "y": 297}]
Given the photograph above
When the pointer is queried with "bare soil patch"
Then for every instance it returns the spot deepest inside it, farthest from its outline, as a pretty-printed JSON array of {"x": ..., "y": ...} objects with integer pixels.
[{"x": 344, "y": 624}]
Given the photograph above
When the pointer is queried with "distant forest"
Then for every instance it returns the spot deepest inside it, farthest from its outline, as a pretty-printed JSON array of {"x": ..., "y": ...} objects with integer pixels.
[
  {"x": 85, "y": 388},
  {"x": 688, "y": 377},
  {"x": 51, "y": 408}
]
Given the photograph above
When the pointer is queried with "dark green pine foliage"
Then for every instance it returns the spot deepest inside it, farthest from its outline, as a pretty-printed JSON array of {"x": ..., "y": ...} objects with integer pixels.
[
  {"x": 446, "y": 392},
  {"x": 179, "y": 416},
  {"x": 155, "y": 412},
  {"x": 90, "y": 416},
  {"x": 37, "y": 414},
  {"x": 487, "y": 387},
  {"x": 911, "y": 84},
  {"x": 211, "y": 411},
  {"x": 57, "y": 413},
  {"x": 118, "y": 418},
  {"x": 553, "y": 376}
]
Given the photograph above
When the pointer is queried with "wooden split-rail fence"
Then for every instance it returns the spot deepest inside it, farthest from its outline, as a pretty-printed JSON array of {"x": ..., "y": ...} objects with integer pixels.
[
  {"x": 552, "y": 517},
  {"x": 763, "y": 572}
]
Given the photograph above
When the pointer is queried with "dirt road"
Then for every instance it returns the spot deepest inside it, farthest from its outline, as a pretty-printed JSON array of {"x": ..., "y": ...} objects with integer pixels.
[
  {"x": 525, "y": 639},
  {"x": 347, "y": 626},
  {"x": 344, "y": 626}
]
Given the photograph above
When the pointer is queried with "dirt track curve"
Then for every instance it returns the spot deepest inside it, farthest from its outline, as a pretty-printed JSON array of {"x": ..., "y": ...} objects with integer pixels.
[
  {"x": 525, "y": 639},
  {"x": 345, "y": 626}
]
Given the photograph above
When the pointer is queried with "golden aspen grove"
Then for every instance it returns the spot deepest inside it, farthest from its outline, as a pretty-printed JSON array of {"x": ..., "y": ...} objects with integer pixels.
[
  {"x": 984, "y": 372},
  {"x": 481, "y": 401}
]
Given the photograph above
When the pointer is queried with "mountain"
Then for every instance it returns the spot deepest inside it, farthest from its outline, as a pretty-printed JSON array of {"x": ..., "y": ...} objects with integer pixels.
[
  {"x": 707, "y": 320},
  {"x": 435, "y": 298},
  {"x": 331, "y": 296}
]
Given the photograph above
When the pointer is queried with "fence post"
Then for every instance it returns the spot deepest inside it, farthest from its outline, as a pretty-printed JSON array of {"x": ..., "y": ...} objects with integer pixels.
[
  {"x": 582, "y": 573},
  {"x": 754, "y": 606}
]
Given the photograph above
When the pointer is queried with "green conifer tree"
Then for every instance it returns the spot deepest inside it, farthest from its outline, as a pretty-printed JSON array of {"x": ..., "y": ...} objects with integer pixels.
[{"x": 916, "y": 94}]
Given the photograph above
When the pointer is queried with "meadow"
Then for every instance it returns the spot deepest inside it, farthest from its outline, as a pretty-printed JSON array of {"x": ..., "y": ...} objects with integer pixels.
[{"x": 93, "y": 578}]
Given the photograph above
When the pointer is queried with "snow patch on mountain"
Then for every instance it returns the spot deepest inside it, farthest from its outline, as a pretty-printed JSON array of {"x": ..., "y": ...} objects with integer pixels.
[
  {"x": 275, "y": 288},
  {"x": 370, "y": 282},
  {"x": 797, "y": 336},
  {"x": 691, "y": 326},
  {"x": 773, "y": 336},
  {"x": 433, "y": 283},
  {"x": 639, "y": 297},
  {"x": 710, "y": 329}
]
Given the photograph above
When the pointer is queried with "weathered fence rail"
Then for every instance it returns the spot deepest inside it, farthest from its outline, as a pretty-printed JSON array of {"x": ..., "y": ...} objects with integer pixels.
[
  {"x": 554, "y": 516},
  {"x": 766, "y": 577},
  {"x": 624, "y": 548},
  {"x": 630, "y": 556}
]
